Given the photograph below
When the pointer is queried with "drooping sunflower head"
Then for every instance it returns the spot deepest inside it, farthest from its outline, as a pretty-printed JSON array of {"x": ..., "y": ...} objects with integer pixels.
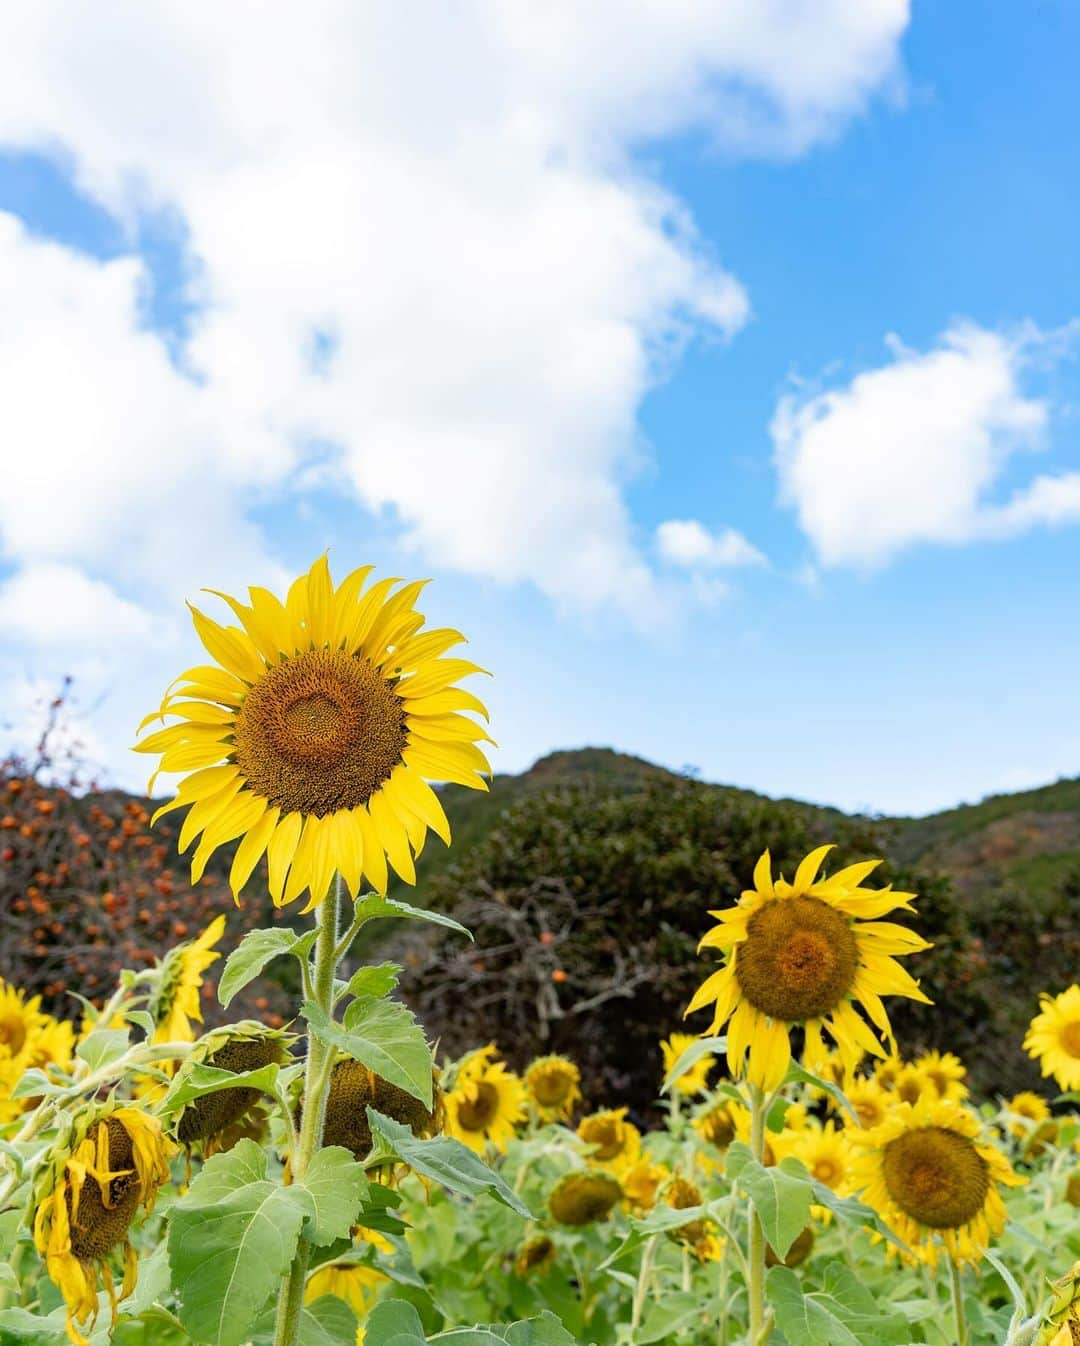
[
  {"x": 613, "y": 1142},
  {"x": 213, "y": 1121},
  {"x": 1053, "y": 1038},
  {"x": 716, "y": 1124},
  {"x": 698, "y": 1236},
  {"x": 354, "y": 1088},
  {"x": 641, "y": 1182},
  {"x": 802, "y": 953},
  {"x": 933, "y": 1178},
  {"x": 313, "y": 734},
  {"x": 536, "y": 1256},
  {"x": 553, "y": 1084},
  {"x": 945, "y": 1072},
  {"x": 109, "y": 1163},
  {"x": 1061, "y": 1325},
  {"x": 583, "y": 1197},
  {"x": 486, "y": 1104},
  {"x": 694, "y": 1080},
  {"x": 175, "y": 1003}
]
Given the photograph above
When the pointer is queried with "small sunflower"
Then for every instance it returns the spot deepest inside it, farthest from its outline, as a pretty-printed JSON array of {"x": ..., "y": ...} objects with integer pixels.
[
  {"x": 694, "y": 1080},
  {"x": 487, "y": 1102},
  {"x": 355, "y": 1283},
  {"x": 584, "y": 1197},
  {"x": 931, "y": 1175},
  {"x": 553, "y": 1086},
  {"x": 21, "y": 1022},
  {"x": 946, "y": 1072},
  {"x": 175, "y": 1003},
  {"x": 642, "y": 1181},
  {"x": 716, "y": 1124},
  {"x": 826, "y": 1152},
  {"x": 112, "y": 1162},
  {"x": 870, "y": 1101},
  {"x": 802, "y": 953},
  {"x": 1054, "y": 1037},
  {"x": 312, "y": 733},
  {"x": 909, "y": 1084},
  {"x": 354, "y": 1088},
  {"x": 697, "y": 1235},
  {"x": 536, "y": 1256},
  {"x": 1032, "y": 1107},
  {"x": 613, "y": 1142}
]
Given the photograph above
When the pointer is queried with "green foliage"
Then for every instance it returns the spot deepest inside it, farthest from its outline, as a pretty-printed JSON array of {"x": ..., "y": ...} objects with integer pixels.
[{"x": 384, "y": 1036}]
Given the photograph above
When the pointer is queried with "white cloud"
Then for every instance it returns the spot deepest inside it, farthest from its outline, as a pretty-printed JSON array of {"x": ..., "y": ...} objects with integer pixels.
[
  {"x": 688, "y": 543},
  {"x": 449, "y": 196},
  {"x": 51, "y": 604},
  {"x": 911, "y": 452}
]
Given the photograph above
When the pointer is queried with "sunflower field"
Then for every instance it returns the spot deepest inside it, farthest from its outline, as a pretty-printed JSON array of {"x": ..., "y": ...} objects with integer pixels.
[{"x": 320, "y": 1172}]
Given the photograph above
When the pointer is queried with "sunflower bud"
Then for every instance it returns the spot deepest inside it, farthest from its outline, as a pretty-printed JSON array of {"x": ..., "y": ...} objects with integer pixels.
[
  {"x": 584, "y": 1197},
  {"x": 535, "y": 1257}
]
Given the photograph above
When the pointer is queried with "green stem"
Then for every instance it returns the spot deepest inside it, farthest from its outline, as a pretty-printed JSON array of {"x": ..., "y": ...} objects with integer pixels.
[
  {"x": 316, "y": 1077},
  {"x": 642, "y": 1287},
  {"x": 756, "y": 1243},
  {"x": 962, "y": 1337}
]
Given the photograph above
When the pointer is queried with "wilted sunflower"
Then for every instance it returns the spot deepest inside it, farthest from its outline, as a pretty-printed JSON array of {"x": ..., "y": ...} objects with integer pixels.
[
  {"x": 716, "y": 1124},
  {"x": 175, "y": 1003},
  {"x": 697, "y": 1235},
  {"x": 112, "y": 1162},
  {"x": 1062, "y": 1319},
  {"x": 1054, "y": 1037},
  {"x": 946, "y": 1072},
  {"x": 801, "y": 953},
  {"x": 930, "y": 1175},
  {"x": 536, "y": 1256},
  {"x": 487, "y": 1102},
  {"x": 553, "y": 1086},
  {"x": 694, "y": 1080},
  {"x": 584, "y": 1197},
  {"x": 614, "y": 1143},
  {"x": 642, "y": 1181},
  {"x": 354, "y": 1088},
  {"x": 312, "y": 734},
  {"x": 211, "y": 1121}
]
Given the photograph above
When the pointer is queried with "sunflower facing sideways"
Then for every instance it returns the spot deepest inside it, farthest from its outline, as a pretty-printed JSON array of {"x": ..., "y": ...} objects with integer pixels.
[
  {"x": 800, "y": 954},
  {"x": 313, "y": 734},
  {"x": 1054, "y": 1037},
  {"x": 928, "y": 1173}
]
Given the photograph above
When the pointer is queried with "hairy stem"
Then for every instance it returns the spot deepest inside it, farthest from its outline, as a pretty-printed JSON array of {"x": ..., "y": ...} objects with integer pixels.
[
  {"x": 962, "y": 1337},
  {"x": 756, "y": 1334},
  {"x": 316, "y": 1077}
]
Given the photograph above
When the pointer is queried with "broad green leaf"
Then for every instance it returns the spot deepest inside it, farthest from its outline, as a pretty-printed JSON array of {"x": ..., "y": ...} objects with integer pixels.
[
  {"x": 446, "y": 1161},
  {"x": 384, "y": 1036},
  {"x": 799, "y": 1074},
  {"x": 854, "y": 1211},
  {"x": 337, "y": 1185},
  {"x": 153, "y": 1283},
  {"x": 141, "y": 1019},
  {"x": 328, "y": 1321},
  {"x": 394, "y": 1323},
  {"x": 780, "y": 1195},
  {"x": 19, "y": 1327},
  {"x": 659, "y": 1220},
  {"x": 803, "y": 1320},
  {"x": 34, "y": 1083},
  {"x": 546, "y": 1330},
  {"x": 255, "y": 950},
  {"x": 231, "y": 1238},
  {"x": 378, "y": 980},
  {"x": 672, "y": 1318},
  {"x": 691, "y": 1056},
  {"x": 102, "y": 1047},
  {"x": 373, "y": 907},
  {"x": 201, "y": 1080}
]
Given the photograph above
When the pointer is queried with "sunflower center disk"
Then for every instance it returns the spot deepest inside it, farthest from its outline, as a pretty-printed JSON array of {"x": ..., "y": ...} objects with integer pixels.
[
  {"x": 936, "y": 1176},
  {"x": 475, "y": 1114},
  {"x": 798, "y": 960},
  {"x": 320, "y": 733},
  {"x": 551, "y": 1088},
  {"x": 1070, "y": 1040},
  {"x": 99, "y": 1227},
  {"x": 12, "y": 1034}
]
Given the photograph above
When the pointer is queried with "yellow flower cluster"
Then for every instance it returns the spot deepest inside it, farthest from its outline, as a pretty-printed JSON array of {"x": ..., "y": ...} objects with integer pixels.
[{"x": 28, "y": 1037}]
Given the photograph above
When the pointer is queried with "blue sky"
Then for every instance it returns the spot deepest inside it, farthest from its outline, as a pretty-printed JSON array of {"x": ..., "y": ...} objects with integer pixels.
[{"x": 725, "y": 381}]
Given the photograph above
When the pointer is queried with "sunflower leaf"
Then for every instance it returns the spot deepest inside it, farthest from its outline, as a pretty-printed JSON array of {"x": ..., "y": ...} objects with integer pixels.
[
  {"x": 689, "y": 1058},
  {"x": 780, "y": 1195},
  {"x": 255, "y": 950},
  {"x": 102, "y": 1047},
  {"x": 546, "y": 1330},
  {"x": 805, "y": 1320},
  {"x": 231, "y": 1238},
  {"x": 799, "y": 1074},
  {"x": 338, "y": 1186},
  {"x": 200, "y": 1080},
  {"x": 446, "y": 1161},
  {"x": 382, "y": 1035},
  {"x": 373, "y": 907},
  {"x": 395, "y": 1323},
  {"x": 34, "y": 1083},
  {"x": 328, "y": 1321},
  {"x": 378, "y": 980}
]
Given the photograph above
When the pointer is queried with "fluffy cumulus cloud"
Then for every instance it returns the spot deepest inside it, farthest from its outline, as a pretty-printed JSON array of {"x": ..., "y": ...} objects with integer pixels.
[
  {"x": 918, "y": 450},
  {"x": 420, "y": 251},
  {"x": 688, "y": 543}
]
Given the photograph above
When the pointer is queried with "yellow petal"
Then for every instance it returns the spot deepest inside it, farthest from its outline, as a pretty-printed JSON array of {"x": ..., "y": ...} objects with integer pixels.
[
  {"x": 280, "y": 851},
  {"x": 229, "y": 646},
  {"x": 423, "y": 801},
  {"x": 250, "y": 850},
  {"x": 808, "y": 868},
  {"x": 374, "y": 852},
  {"x": 437, "y": 675},
  {"x": 392, "y": 836},
  {"x": 244, "y": 812}
]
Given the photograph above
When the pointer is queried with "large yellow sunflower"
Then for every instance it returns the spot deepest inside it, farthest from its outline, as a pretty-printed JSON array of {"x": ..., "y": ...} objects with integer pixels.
[
  {"x": 487, "y": 1102},
  {"x": 312, "y": 733},
  {"x": 86, "y": 1201},
  {"x": 802, "y": 953},
  {"x": 931, "y": 1176},
  {"x": 1054, "y": 1037}
]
